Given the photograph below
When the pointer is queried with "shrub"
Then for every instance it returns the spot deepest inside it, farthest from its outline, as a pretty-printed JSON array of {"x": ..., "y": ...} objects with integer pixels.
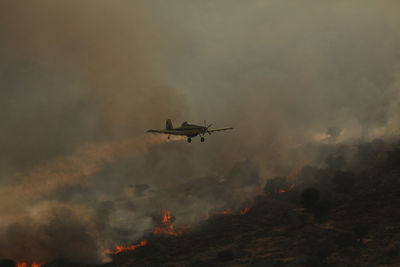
[
  {"x": 309, "y": 197},
  {"x": 7, "y": 263}
]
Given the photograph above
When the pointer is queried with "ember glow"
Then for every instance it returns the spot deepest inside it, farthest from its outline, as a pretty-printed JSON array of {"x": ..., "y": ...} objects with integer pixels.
[
  {"x": 34, "y": 264},
  {"x": 244, "y": 211},
  {"x": 229, "y": 212},
  {"x": 167, "y": 226},
  {"x": 288, "y": 188},
  {"x": 120, "y": 248}
]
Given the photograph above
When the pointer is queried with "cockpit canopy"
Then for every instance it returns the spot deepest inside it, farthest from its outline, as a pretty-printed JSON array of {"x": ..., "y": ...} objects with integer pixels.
[{"x": 185, "y": 123}]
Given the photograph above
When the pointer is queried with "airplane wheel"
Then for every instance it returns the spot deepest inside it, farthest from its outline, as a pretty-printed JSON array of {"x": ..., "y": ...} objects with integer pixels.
[
  {"x": 202, "y": 139},
  {"x": 168, "y": 137},
  {"x": 189, "y": 140}
]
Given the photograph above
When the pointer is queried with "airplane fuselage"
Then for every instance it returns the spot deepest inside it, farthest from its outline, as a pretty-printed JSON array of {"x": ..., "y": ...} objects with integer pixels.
[{"x": 188, "y": 130}]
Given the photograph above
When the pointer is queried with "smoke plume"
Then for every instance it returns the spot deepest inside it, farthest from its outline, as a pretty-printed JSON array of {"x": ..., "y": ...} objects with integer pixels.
[{"x": 82, "y": 81}]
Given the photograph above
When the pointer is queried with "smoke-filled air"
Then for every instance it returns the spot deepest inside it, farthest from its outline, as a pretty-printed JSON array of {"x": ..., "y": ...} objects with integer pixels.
[{"x": 82, "y": 81}]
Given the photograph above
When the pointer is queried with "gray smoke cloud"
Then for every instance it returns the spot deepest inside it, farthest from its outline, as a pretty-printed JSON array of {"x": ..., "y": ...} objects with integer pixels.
[
  {"x": 284, "y": 73},
  {"x": 53, "y": 231},
  {"x": 78, "y": 89},
  {"x": 81, "y": 83}
]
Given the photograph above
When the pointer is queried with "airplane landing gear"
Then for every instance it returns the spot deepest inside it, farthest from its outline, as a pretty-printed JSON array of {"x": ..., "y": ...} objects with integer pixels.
[
  {"x": 168, "y": 137},
  {"x": 202, "y": 139},
  {"x": 189, "y": 139}
]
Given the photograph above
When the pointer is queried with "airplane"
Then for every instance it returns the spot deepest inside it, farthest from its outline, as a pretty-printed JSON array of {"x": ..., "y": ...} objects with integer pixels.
[{"x": 188, "y": 130}]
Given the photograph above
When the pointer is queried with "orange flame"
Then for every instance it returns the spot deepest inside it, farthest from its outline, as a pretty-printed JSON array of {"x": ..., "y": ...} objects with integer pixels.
[
  {"x": 288, "y": 188},
  {"x": 227, "y": 212},
  {"x": 120, "y": 248},
  {"x": 244, "y": 211},
  {"x": 167, "y": 227},
  {"x": 230, "y": 212},
  {"x": 34, "y": 264}
]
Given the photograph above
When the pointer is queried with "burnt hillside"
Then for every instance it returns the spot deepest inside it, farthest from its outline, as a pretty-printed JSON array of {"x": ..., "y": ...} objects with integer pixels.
[{"x": 344, "y": 213}]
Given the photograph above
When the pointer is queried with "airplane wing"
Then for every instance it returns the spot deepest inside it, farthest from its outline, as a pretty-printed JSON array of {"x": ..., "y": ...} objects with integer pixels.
[
  {"x": 220, "y": 129},
  {"x": 170, "y": 132}
]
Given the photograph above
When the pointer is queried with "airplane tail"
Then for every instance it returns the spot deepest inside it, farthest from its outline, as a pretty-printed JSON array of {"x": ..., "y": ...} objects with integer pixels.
[{"x": 169, "y": 125}]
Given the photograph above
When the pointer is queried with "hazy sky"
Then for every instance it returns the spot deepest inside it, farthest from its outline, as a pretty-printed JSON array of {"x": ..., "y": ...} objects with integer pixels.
[{"x": 81, "y": 82}]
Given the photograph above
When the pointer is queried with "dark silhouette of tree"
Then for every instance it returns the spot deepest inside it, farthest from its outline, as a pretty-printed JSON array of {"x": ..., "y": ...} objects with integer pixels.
[
  {"x": 393, "y": 159},
  {"x": 309, "y": 197},
  {"x": 7, "y": 263}
]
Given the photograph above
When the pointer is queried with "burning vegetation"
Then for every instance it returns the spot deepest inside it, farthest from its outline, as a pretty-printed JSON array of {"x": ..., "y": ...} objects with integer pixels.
[
  {"x": 167, "y": 226},
  {"x": 121, "y": 248},
  {"x": 318, "y": 216},
  {"x": 25, "y": 264},
  {"x": 309, "y": 218}
]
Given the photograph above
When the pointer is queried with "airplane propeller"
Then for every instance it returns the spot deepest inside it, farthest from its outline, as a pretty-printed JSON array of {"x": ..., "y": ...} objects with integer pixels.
[{"x": 205, "y": 123}]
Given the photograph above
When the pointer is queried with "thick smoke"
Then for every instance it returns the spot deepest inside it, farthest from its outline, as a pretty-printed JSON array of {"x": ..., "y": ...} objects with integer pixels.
[
  {"x": 53, "y": 231},
  {"x": 78, "y": 89},
  {"x": 285, "y": 73},
  {"x": 82, "y": 81}
]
